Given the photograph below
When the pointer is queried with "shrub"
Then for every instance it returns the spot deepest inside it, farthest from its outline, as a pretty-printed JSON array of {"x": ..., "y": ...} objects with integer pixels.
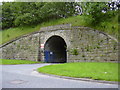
[{"x": 74, "y": 51}]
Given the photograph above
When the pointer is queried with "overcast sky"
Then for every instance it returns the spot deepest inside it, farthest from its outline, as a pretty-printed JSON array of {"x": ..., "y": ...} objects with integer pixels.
[{"x": 6, "y": 0}]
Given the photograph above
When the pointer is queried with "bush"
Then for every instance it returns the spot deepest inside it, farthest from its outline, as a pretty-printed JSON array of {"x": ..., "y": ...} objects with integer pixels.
[
  {"x": 25, "y": 19},
  {"x": 74, "y": 52}
]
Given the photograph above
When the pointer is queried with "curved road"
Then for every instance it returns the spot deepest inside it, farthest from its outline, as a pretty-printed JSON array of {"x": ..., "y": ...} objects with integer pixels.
[{"x": 25, "y": 76}]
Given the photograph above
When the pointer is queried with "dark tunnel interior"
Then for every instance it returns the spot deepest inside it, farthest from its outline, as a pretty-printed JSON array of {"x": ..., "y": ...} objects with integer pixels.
[{"x": 55, "y": 50}]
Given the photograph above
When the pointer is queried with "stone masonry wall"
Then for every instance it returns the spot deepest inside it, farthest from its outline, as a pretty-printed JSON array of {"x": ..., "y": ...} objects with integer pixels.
[
  {"x": 90, "y": 45},
  {"x": 25, "y": 48}
]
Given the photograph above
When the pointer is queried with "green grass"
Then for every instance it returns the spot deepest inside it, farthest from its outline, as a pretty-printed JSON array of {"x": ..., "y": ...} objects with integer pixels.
[
  {"x": 12, "y": 33},
  {"x": 110, "y": 27},
  {"x": 13, "y": 62},
  {"x": 92, "y": 70}
]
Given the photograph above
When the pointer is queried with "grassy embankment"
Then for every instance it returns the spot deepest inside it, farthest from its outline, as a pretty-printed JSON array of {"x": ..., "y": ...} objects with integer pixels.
[
  {"x": 13, "y": 62},
  {"x": 92, "y": 70},
  {"x": 110, "y": 27}
]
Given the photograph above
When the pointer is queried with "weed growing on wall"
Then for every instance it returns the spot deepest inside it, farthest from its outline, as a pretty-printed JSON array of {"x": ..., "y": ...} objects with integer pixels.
[{"x": 74, "y": 51}]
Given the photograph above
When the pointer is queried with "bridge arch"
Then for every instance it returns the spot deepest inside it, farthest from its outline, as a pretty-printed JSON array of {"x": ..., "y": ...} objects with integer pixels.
[{"x": 55, "y": 50}]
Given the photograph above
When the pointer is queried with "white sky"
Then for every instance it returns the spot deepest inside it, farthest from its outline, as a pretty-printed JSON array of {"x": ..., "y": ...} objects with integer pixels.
[{"x": 6, "y": 0}]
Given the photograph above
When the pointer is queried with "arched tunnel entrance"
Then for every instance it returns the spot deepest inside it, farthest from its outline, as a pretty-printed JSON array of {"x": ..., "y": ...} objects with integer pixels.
[{"x": 55, "y": 50}]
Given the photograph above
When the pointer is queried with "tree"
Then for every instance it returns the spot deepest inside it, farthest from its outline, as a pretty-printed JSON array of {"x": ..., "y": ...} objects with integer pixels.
[
  {"x": 7, "y": 15},
  {"x": 99, "y": 11},
  {"x": 27, "y": 13}
]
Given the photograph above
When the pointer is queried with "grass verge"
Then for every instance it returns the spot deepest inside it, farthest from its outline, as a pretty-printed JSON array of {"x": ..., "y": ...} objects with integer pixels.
[
  {"x": 92, "y": 70},
  {"x": 13, "y": 62}
]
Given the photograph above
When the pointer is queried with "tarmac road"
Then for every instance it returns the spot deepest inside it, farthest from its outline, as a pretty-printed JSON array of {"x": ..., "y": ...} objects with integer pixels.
[{"x": 25, "y": 76}]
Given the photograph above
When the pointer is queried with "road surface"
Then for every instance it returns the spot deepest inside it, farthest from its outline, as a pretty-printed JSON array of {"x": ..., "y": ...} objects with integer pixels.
[{"x": 25, "y": 76}]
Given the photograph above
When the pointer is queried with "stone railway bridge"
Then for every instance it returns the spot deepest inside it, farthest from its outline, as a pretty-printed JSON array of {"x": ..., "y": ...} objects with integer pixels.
[{"x": 63, "y": 43}]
